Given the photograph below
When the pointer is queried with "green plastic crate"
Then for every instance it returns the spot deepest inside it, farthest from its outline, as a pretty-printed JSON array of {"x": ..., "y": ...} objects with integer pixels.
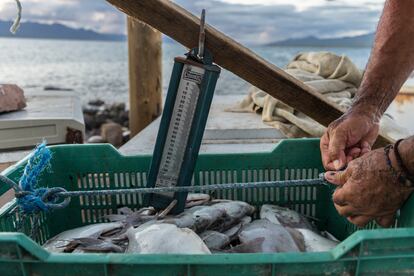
[{"x": 94, "y": 167}]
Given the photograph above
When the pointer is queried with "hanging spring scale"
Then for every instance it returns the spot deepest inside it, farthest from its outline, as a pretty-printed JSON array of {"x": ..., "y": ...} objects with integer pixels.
[{"x": 190, "y": 93}]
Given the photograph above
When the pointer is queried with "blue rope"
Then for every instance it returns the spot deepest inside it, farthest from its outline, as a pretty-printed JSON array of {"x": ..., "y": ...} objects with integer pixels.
[{"x": 31, "y": 197}]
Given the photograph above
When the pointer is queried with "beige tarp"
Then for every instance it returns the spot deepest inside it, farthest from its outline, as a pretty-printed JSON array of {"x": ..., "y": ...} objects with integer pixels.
[{"x": 335, "y": 77}]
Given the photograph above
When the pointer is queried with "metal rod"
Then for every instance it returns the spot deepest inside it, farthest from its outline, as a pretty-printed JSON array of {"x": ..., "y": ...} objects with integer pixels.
[
  {"x": 58, "y": 197},
  {"x": 202, "y": 35},
  {"x": 263, "y": 184}
]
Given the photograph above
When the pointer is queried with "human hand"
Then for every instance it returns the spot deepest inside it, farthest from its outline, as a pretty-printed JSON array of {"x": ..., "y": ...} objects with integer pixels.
[
  {"x": 347, "y": 138},
  {"x": 368, "y": 190}
]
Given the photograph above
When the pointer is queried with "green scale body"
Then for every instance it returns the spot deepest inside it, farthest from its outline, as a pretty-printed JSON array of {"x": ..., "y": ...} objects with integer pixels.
[{"x": 183, "y": 121}]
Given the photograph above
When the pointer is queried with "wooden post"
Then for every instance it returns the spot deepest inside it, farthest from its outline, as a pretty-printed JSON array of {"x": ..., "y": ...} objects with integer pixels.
[
  {"x": 145, "y": 74},
  {"x": 183, "y": 27}
]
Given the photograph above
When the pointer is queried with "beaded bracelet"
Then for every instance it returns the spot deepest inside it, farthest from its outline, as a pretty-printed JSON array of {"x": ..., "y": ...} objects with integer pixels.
[
  {"x": 388, "y": 160},
  {"x": 400, "y": 175},
  {"x": 405, "y": 177}
]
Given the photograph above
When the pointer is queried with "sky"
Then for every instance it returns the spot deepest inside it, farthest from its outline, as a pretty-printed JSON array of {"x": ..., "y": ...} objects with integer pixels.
[{"x": 248, "y": 21}]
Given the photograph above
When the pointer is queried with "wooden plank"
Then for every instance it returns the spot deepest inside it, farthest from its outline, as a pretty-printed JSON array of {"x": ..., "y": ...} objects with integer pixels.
[
  {"x": 183, "y": 27},
  {"x": 227, "y": 131},
  {"x": 145, "y": 74}
]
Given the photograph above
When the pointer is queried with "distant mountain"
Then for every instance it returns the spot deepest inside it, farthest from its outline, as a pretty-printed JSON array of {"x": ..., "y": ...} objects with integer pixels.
[
  {"x": 55, "y": 31},
  {"x": 351, "y": 41}
]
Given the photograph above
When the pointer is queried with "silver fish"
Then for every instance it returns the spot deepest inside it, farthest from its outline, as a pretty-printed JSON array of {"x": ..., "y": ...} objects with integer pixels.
[
  {"x": 184, "y": 220},
  {"x": 215, "y": 240},
  {"x": 234, "y": 231},
  {"x": 329, "y": 236},
  {"x": 218, "y": 215},
  {"x": 235, "y": 211},
  {"x": 84, "y": 245},
  {"x": 125, "y": 211},
  {"x": 209, "y": 217},
  {"x": 310, "y": 241},
  {"x": 164, "y": 238},
  {"x": 147, "y": 211},
  {"x": 59, "y": 242},
  {"x": 285, "y": 217},
  {"x": 196, "y": 199},
  {"x": 131, "y": 218},
  {"x": 268, "y": 237},
  {"x": 252, "y": 246}
]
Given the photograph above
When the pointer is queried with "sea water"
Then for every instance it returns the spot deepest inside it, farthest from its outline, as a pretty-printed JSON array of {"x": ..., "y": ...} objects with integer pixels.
[{"x": 95, "y": 69}]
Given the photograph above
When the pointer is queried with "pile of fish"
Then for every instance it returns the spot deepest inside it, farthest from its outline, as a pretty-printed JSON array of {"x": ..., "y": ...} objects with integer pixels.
[{"x": 206, "y": 226}]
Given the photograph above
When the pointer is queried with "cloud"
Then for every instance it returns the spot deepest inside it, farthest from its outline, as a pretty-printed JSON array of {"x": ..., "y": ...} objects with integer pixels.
[
  {"x": 303, "y": 5},
  {"x": 248, "y": 21},
  {"x": 89, "y": 14},
  {"x": 275, "y": 20}
]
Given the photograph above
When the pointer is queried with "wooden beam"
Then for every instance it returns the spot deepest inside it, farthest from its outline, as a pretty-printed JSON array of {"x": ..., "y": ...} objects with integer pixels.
[
  {"x": 183, "y": 27},
  {"x": 145, "y": 74}
]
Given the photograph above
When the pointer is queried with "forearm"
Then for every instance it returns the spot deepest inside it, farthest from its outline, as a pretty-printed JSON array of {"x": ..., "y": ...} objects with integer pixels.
[{"x": 391, "y": 60}]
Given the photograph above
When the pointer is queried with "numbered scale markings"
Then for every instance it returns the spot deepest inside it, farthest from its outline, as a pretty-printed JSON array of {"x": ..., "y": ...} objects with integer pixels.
[{"x": 180, "y": 126}]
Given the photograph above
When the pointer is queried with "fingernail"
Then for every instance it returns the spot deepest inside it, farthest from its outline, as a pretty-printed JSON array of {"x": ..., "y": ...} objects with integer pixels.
[
  {"x": 330, "y": 176},
  {"x": 337, "y": 164}
]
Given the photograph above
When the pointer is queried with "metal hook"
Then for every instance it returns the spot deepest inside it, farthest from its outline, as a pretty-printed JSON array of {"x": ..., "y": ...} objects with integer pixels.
[
  {"x": 51, "y": 197},
  {"x": 202, "y": 36}
]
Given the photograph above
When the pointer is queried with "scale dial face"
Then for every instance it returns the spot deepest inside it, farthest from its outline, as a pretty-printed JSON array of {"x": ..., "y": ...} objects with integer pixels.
[{"x": 179, "y": 127}]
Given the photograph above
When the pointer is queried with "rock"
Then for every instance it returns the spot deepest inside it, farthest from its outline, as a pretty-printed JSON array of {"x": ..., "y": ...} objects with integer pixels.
[
  {"x": 90, "y": 109},
  {"x": 55, "y": 88},
  {"x": 126, "y": 135},
  {"x": 11, "y": 98},
  {"x": 97, "y": 102},
  {"x": 112, "y": 133},
  {"x": 89, "y": 121},
  {"x": 96, "y": 113},
  {"x": 118, "y": 107},
  {"x": 119, "y": 118},
  {"x": 96, "y": 139},
  {"x": 101, "y": 118},
  {"x": 123, "y": 116},
  {"x": 113, "y": 114},
  {"x": 95, "y": 132},
  {"x": 74, "y": 136}
]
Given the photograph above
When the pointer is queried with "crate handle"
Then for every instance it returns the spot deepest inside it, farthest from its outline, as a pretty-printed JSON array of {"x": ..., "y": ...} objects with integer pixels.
[{"x": 362, "y": 239}]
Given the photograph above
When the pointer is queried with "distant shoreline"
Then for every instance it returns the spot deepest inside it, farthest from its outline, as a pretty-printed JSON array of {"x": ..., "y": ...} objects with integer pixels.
[
  {"x": 312, "y": 46},
  {"x": 59, "y": 39},
  {"x": 34, "y": 30},
  {"x": 168, "y": 41}
]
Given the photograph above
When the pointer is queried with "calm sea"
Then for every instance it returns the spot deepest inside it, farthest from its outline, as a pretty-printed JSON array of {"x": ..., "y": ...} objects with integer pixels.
[{"x": 100, "y": 70}]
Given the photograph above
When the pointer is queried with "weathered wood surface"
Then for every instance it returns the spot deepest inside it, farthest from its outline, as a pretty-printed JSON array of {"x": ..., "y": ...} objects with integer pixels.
[
  {"x": 183, "y": 27},
  {"x": 145, "y": 74},
  {"x": 225, "y": 132}
]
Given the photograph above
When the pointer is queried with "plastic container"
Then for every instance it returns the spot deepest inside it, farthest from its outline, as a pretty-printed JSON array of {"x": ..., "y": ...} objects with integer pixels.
[{"x": 86, "y": 167}]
